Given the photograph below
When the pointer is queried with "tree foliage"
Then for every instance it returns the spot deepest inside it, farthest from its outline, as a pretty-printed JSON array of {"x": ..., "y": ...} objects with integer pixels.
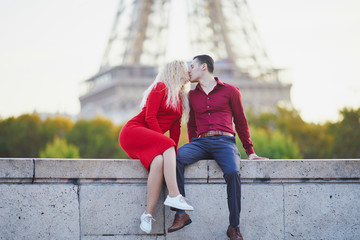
[
  {"x": 281, "y": 134},
  {"x": 97, "y": 138},
  {"x": 56, "y": 127},
  {"x": 313, "y": 140},
  {"x": 60, "y": 149},
  {"x": 346, "y": 134},
  {"x": 271, "y": 144},
  {"x": 19, "y": 136}
]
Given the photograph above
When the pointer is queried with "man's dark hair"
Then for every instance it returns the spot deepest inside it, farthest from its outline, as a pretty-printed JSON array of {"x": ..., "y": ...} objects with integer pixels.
[{"x": 206, "y": 59}]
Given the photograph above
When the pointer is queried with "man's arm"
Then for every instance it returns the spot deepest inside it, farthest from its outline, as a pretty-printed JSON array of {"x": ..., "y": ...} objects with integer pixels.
[{"x": 241, "y": 125}]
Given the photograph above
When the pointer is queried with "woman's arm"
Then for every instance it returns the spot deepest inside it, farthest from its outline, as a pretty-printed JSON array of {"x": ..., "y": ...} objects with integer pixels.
[
  {"x": 175, "y": 132},
  {"x": 153, "y": 103}
]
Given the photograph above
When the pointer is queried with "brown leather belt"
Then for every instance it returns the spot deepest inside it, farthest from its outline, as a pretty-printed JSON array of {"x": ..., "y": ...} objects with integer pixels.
[{"x": 215, "y": 133}]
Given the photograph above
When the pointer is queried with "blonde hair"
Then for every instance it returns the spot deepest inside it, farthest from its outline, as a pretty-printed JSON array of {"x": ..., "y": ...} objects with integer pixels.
[{"x": 173, "y": 75}]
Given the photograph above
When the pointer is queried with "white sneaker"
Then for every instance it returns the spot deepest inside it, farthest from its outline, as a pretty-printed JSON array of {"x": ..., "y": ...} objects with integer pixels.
[
  {"x": 146, "y": 222},
  {"x": 178, "y": 202}
]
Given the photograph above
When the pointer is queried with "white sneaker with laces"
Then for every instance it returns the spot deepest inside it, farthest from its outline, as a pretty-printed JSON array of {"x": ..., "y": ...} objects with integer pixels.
[
  {"x": 178, "y": 202},
  {"x": 146, "y": 222}
]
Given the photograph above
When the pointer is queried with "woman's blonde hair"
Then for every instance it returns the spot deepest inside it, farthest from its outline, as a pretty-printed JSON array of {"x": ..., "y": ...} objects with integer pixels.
[{"x": 173, "y": 75}]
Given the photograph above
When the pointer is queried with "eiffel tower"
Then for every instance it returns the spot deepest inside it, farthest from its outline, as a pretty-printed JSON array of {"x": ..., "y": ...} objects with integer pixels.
[{"x": 137, "y": 44}]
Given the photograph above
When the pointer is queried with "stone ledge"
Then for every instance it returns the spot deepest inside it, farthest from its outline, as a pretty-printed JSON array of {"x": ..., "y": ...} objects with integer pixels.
[
  {"x": 16, "y": 168},
  {"x": 302, "y": 169},
  {"x": 206, "y": 171}
]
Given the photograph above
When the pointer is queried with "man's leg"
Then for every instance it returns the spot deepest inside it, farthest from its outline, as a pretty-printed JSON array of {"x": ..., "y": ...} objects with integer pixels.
[{"x": 227, "y": 156}]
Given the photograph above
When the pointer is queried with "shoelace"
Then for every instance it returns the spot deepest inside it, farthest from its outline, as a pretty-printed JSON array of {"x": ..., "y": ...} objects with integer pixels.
[
  {"x": 148, "y": 218},
  {"x": 237, "y": 231},
  {"x": 184, "y": 199}
]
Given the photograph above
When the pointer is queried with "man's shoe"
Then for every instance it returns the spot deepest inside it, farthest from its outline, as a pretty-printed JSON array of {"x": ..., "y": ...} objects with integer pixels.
[
  {"x": 146, "y": 222},
  {"x": 234, "y": 233},
  {"x": 180, "y": 221},
  {"x": 178, "y": 202}
]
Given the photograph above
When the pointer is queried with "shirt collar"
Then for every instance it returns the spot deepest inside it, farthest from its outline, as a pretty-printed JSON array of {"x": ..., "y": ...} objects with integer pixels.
[{"x": 219, "y": 82}]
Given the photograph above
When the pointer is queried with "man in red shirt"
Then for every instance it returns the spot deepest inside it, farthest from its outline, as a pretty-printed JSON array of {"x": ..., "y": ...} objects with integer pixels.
[{"x": 214, "y": 106}]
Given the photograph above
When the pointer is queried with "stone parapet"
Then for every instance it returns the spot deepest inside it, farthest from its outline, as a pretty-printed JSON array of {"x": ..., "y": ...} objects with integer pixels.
[{"x": 104, "y": 198}]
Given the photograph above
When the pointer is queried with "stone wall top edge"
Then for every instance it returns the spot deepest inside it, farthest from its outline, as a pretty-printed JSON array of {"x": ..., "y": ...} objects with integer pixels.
[
  {"x": 56, "y": 168},
  {"x": 114, "y": 159},
  {"x": 242, "y": 160}
]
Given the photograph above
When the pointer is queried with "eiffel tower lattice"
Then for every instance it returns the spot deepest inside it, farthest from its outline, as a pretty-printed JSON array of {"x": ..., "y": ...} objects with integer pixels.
[{"x": 138, "y": 42}]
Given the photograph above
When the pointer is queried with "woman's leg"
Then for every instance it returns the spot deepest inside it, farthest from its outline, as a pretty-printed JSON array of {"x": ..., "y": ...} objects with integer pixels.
[
  {"x": 170, "y": 171},
  {"x": 154, "y": 183},
  {"x": 161, "y": 166}
]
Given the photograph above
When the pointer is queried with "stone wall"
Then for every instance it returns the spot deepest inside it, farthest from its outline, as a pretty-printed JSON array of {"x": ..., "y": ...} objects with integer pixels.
[{"x": 98, "y": 199}]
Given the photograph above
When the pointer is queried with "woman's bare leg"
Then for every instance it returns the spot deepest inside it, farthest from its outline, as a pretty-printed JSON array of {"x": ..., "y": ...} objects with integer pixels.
[
  {"x": 154, "y": 183},
  {"x": 170, "y": 171}
]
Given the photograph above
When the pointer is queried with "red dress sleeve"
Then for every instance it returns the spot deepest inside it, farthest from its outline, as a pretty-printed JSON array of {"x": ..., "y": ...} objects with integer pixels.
[
  {"x": 175, "y": 132},
  {"x": 153, "y": 103}
]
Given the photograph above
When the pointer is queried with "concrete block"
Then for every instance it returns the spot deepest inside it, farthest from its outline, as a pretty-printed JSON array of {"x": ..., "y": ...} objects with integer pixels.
[
  {"x": 89, "y": 168},
  {"x": 210, "y": 215},
  {"x": 275, "y": 169},
  {"x": 322, "y": 211},
  {"x": 262, "y": 211},
  {"x": 39, "y": 212},
  {"x": 300, "y": 169},
  {"x": 197, "y": 171},
  {"x": 16, "y": 168},
  {"x": 115, "y": 209},
  {"x": 261, "y": 216}
]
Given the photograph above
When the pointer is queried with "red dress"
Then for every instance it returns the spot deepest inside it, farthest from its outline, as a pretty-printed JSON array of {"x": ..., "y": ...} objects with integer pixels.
[{"x": 143, "y": 136}]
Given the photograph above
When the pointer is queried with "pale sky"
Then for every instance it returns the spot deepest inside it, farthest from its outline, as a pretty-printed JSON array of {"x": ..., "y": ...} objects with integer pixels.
[{"x": 48, "y": 47}]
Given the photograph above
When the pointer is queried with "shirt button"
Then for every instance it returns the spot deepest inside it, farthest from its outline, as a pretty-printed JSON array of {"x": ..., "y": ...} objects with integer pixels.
[
  {"x": 208, "y": 113},
  {"x": 208, "y": 106},
  {"x": 208, "y": 98}
]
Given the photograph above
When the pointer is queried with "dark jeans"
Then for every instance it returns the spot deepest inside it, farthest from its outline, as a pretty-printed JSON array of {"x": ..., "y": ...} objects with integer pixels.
[{"x": 224, "y": 151}]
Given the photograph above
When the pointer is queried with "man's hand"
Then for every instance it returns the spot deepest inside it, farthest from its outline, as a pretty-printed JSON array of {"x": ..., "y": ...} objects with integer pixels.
[{"x": 253, "y": 156}]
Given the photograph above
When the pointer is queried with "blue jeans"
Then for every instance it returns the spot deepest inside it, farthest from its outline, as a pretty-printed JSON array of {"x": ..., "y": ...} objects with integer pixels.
[{"x": 224, "y": 151}]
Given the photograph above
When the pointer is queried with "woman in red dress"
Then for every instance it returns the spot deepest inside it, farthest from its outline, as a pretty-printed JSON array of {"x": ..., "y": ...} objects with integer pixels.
[{"x": 164, "y": 103}]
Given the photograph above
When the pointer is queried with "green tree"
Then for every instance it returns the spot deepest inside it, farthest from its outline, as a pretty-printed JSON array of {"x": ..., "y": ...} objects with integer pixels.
[
  {"x": 5, "y": 135},
  {"x": 59, "y": 149},
  {"x": 346, "y": 133},
  {"x": 313, "y": 140},
  {"x": 271, "y": 144},
  {"x": 19, "y": 136},
  {"x": 97, "y": 138},
  {"x": 54, "y": 127}
]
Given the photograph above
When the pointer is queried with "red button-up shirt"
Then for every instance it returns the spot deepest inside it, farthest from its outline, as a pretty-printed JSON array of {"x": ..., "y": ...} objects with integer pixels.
[{"x": 216, "y": 111}]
